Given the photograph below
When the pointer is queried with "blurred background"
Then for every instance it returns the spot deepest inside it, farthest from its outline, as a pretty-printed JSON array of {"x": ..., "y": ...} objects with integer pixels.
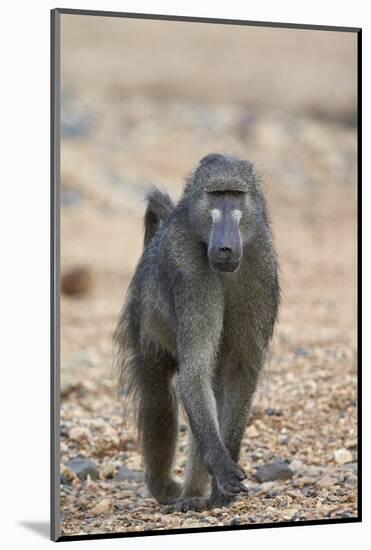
[{"x": 142, "y": 102}]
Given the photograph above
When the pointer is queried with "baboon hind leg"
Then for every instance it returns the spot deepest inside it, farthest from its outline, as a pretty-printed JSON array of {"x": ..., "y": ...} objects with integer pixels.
[
  {"x": 158, "y": 426},
  {"x": 196, "y": 481}
]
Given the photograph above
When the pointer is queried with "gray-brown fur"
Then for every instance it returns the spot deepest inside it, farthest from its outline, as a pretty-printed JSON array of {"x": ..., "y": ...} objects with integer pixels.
[{"x": 197, "y": 321}]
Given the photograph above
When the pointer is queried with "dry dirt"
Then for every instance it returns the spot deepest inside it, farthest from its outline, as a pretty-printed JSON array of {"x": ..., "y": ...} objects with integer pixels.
[{"x": 124, "y": 129}]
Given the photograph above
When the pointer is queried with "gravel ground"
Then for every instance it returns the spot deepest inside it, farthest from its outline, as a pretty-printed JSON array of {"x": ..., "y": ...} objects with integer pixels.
[{"x": 304, "y": 417}]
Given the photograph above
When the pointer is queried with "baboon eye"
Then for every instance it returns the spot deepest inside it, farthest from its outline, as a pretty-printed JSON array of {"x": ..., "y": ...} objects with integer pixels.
[
  {"x": 233, "y": 193},
  {"x": 226, "y": 193}
]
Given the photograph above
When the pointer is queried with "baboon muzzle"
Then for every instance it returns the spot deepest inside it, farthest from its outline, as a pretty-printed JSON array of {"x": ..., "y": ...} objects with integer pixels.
[{"x": 225, "y": 246}]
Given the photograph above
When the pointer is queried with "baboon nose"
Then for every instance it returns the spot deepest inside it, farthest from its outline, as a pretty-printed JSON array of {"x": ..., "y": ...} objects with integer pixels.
[{"x": 225, "y": 251}]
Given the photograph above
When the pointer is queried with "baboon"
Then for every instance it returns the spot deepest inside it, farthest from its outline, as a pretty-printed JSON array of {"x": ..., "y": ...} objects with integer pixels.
[{"x": 197, "y": 321}]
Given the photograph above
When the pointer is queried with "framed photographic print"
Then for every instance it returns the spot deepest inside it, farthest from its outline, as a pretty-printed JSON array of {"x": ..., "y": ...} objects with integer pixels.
[{"x": 205, "y": 189}]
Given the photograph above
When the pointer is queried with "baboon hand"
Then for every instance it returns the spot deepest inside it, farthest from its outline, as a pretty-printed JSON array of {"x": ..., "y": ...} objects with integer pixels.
[{"x": 229, "y": 479}]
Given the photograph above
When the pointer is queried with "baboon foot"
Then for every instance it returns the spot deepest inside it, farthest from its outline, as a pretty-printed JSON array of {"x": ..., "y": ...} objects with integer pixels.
[
  {"x": 167, "y": 492},
  {"x": 197, "y": 504},
  {"x": 228, "y": 480}
]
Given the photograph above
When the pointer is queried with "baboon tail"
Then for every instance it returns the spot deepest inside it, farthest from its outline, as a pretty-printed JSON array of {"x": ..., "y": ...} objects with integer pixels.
[
  {"x": 126, "y": 357},
  {"x": 159, "y": 206}
]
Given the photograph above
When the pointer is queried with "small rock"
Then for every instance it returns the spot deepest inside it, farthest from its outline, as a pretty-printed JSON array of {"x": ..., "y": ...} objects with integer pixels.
[
  {"x": 70, "y": 197},
  {"x": 301, "y": 352},
  {"x": 313, "y": 471},
  {"x": 80, "y": 434},
  {"x": 64, "y": 480},
  {"x": 348, "y": 515},
  {"x": 263, "y": 489},
  {"x": 108, "y": 441},
  {"x": 273, "y": 412},
  {"x": 90, "y": 484},
  {"x": 289, "y": 514},
  {"x": 326, "y": 482},
  {"x": 297, "y": 465},
  {"x": 303, "y": 481},
  {"x": 76, "y": 281},
  {"x": 293, "y": 494},
  {"x": 67, "y": 473},
  {"x": 343, "y": 456},
  {"x": 235, "y": 521},
  {"x": 353, "y": 466},
  {"x": 108, "y": 471},
  {"x": 105, "y": 506},
  {"x": 209, "y": 519},
  {"x": 257, "y": 454},
  {"x": 260, "y": 425},
  {"x": 83, "y": 467},
  {"x": 126, "y": 474},
  {"x": 68, "y": 388},
  {"x": 75, "y": 123},
  {"x": 274, "y": 471},
  {"x": 252, "y": 431}
]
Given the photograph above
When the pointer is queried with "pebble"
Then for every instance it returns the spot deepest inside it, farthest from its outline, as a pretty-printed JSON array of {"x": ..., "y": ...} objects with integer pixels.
[
  {"x": 80, "y": 434},
  {"x": 83, "y": 467},
  {"x": 105, "y": 506},
  {"x": 297, "y": 465},
  {"x": 252, "y": 431},
  {"x": 343, "y": 456},
  {"x": 353, "y": 466},
  {"x": 191, "y": 524},
  {"x": 262, "y": 489},
  {"x": 301, "y": 352},
  {"x": 67, "y": 473},
  {"x": 304, "y": 481},
  {"x": 126, "y": 474},
  {"x": 313, "y": 471},
  {"x": 76, "y": 282},
  {"x": 289, "y": 514},
  {"x": 326, "y": 482},
  {"x": 273, "y": 412},
  {"x": 75, "y": 123},
  {"x": 274, "y": 471},
  {"x": 209, "y": 519},
  {"x": 108, "y": 471},
  {"x": 70, "y": 197},
  {"x": 64, "y": 480}
]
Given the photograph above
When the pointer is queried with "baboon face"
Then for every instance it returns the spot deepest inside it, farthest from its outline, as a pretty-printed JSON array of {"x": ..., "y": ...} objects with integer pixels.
[
  {"x": 225, "y": 242},
  {"x": 223, "y": 205}
]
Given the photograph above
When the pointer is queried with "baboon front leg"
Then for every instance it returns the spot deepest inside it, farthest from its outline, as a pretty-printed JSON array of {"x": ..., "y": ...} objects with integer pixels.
[
  {"x": 199, "y": 309},
  {"x": 199, "y": 402},
  {"x": 238, "y": 385},
  {"x": 158, "y": 426}
]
